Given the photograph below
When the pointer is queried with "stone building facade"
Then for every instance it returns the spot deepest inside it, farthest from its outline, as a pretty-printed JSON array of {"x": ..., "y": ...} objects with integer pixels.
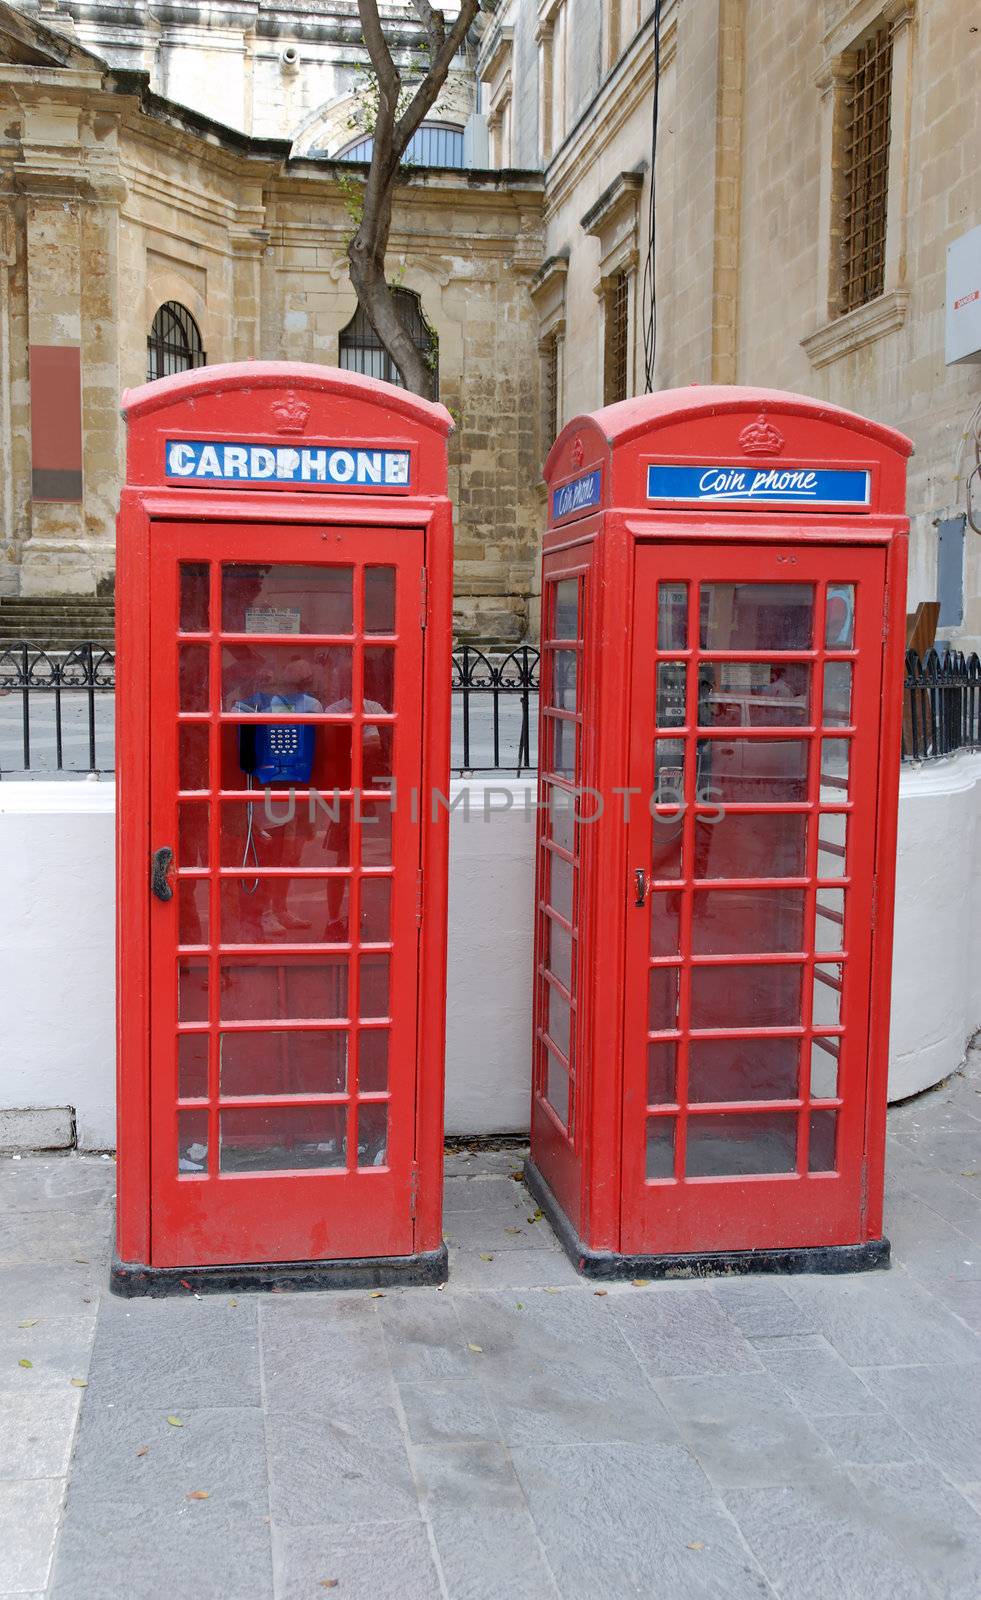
[{"x": 183, "y": 151}]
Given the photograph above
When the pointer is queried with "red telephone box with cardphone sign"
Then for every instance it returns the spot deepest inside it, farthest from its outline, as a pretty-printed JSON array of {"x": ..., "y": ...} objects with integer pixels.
[
  {"x": 723, "y": 609},
  {"x": 284, "y": 597}
]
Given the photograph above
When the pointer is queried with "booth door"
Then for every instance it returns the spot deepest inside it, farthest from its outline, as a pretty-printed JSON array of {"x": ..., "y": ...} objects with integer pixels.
[
  {"x": 750, "y": 897},
  {"x": 285, "y": 706}
]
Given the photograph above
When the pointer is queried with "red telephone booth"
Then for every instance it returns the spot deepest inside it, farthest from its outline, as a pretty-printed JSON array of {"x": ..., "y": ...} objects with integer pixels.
[
  {"x": 284, "y": 614},
  {"x": 721, "y": 689}
]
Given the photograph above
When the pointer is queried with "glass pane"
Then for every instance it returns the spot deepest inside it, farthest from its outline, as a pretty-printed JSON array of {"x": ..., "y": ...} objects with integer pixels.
[
  {"x": 837, "y": 712},
  {"x": 563, "y": 747},
  {"x": 192, "y": 673},
  {"x": 283, "y": 1138},
  {"x": 372, "y": 1133},
  {"x": 564, "y": 679},
  {"x": 661, "y": 1064},
  {"x": 558, "y": 951},
  {"x": 753, "y": 694},
  {"x": 192, "y": 989},
  {"x": 376, "y": 833},
  {"x": 662, "y": 1005},
  {"x": 379, "y": 680},
  {"x": 561, "y": 817},
  {"x": 669, "y": 772},
  {"x": 566, "y": 614},
  {"x": 374, "y": 986},
  {"x": 832, "y": 839},
  {"x": 758, "y": 996},
  {"x": 192, "y": 835},
  {"x": 379, "y": 600},
  {"x": 192, "y": 1066},
  {"x": 666, "y": 847},
  {"x": 839, "y": 628},
  {"x": 194, "y": 597},
  {"x": 280, "y": 756},
  {"x": 293, "y": 832},
  {"x": 192, "y": 745},
  {"x": 744, "y": 845},
  {"x": 376, "y": 910},
  {"x": 373, "y": 1060},
  {"x": 665, "y": 911},
  {"x": 377, "y": 744},
  {"x": 278, "y": 678},
  {"x": 284, "y": 1061},
  {"x": 731, "y": 1144},
  {"x": 670, "y": 712},
  {"x": 747, "y": 921},
  {"x": 284, "y": 910},
  {"x": 742, "y": 1069},
  {"x": 291, "y": 987},
  {"x": 752, "y": 771},
  {"x": 192, "y": 910},
  {"x": 192, "y": 1141},
  {"x": 557, "y": 1021},
  {"x": 660, "y": 1147},
  {"x": 822, "y": 1149},
  {"x": 286, "y": 599},
  {"x": 835, "y": 760},
  {"x": 757, "y": 616},
  {"x": 557, "y": 1088},
  {"x": 829, "y": 926},
  {"x": 672, "y": 616},
  {"x": 560, "y": 891},
  {"x": 824, "y": 1069},
  {"x": 827, "y": 995}
]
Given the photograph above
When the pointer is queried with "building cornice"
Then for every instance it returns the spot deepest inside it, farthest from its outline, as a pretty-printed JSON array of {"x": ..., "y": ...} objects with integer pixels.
[{"x": 856, "y": 329}]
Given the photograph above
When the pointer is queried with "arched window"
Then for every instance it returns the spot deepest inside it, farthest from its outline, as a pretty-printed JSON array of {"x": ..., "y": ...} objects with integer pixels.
[
  {"x": 434, "y": 144},
  {"x": 361, "y": 350},
  {"x": 173, "y": 343}
]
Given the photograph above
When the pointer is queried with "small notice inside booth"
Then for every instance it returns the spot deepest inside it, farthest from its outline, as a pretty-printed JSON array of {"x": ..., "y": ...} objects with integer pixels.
[
  {"x": 284, "y": 597},
  {"x": 723, "y": 607}
]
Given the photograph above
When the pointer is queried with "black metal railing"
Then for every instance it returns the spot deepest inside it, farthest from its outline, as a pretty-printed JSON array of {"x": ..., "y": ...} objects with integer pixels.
[
  {"x": 941, "y": 705},
  {"x": 57, "y": 710}
]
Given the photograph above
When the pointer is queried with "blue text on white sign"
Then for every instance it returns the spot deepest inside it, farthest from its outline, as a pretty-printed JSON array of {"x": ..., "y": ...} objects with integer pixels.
[
  {"x": 739, "y": 486},
  {"x": 579, "y": 495},
  {"x": 343, "y": 467}
]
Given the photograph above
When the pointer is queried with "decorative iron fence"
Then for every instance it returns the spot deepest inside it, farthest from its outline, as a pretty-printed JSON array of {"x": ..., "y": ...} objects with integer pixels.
[
  {"x": 57, "y": 710},
  {"x": 941, "y": 705}
]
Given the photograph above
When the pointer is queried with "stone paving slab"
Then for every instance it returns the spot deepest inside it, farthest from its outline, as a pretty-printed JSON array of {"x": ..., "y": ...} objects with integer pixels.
[{"x": 520, "y": 1433}]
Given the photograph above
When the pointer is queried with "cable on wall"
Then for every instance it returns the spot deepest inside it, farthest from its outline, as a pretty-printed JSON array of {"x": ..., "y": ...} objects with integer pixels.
[{"x": 649, "y": 291}]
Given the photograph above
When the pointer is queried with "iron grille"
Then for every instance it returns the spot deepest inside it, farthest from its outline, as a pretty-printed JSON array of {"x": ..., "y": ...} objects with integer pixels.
[
  {"x": 866, "y": 173},
  {"x": 550, "y": 390},
  {"x": 173, "y": 343},
  {"x": 361, "y": 350},
  {"x": 616, "y": 339}
]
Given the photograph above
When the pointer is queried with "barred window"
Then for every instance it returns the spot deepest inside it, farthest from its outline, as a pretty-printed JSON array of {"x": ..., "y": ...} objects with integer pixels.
[
  {"x": 617, "y": 339},
  {"x": 865, "y": 176},
  {"x": 550, "y": 390},
  {"x": 174, "y": 342},
  {"x": 361, "y": 350}
]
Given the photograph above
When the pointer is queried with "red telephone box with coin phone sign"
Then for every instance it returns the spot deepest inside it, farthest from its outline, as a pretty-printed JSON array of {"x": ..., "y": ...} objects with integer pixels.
[
  {"x": 284, "y": 600},
  {"x": 723, "y": 609}
]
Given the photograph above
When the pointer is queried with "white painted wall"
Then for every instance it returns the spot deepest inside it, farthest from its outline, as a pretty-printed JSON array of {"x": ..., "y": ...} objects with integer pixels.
[{"x": 56, "y": 946}]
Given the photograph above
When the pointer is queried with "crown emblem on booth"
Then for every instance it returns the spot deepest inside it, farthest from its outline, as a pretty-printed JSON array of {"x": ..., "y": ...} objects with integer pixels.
[
  {"x": 761, "y": 438},
  {"x": 577, "y": 452},
  {"x": 291, "y": 414}
]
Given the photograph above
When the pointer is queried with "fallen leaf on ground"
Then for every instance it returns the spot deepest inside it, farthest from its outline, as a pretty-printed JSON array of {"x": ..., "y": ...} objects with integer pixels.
[
  {"x": 80, "y": 1383},
  {"x": 175, "y": 1422},
  {"x": 198, "y": 1494},
  {"x": 516, "y": 1176},
  {"x": 639, "y": 1283},
  {"x": 550, "y": 1291},
  {"x": 477, "y": 1347},
  {"x": 82, "y": 1261},
  {"x": 696, "y": 1544},
  {"x": 23, "y": 1362},
  {"x": 512, "y": 1230},
  {"x": 233, "y": 1302},
  {"x": 144, "y": 1450},
  {"x": 486, "y": 1258},
  {"x": 377, "y": 1294},
  {"x": 31, "y": 1322},
  {"x": 329, "y": 1583},
  {"x": 600, "y": 1291}
]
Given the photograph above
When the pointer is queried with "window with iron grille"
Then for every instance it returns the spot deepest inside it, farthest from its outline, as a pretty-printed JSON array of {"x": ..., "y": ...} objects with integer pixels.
[
  {"x": 550, "y": 389},
  {"x": 361, "y": 350},
  {"x": 434, "y": 144},
  {"x": 865, "y": 175},
  {"x": 617, "y": 334},
  {"x": 173, "y": 343}
]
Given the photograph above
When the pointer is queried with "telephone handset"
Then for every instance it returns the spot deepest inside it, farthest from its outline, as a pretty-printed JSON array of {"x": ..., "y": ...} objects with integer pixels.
[{"x": 280, "y": 752}]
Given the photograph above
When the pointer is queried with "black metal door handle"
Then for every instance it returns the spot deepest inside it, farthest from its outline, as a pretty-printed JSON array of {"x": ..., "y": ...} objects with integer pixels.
[
  {"x": 640, "y": 882},
  {"x": 160, "y": 864}
]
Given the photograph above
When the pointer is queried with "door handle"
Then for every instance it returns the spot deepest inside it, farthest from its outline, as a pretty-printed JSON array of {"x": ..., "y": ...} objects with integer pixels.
[
  {"x": 640, "y": 885},
  {"x": 160, "y": 864}
]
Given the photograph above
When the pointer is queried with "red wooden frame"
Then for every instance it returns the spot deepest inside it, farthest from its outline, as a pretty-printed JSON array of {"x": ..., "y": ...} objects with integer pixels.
[
  {"x": 595, "y": 1184},
  {"x": 162, "y": 1222}
]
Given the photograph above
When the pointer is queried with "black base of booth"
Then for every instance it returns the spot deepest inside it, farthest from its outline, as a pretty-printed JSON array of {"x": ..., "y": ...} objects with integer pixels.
[
  {"x": 132, "y": 1279},
  {"x": 606, "y": 1264}
]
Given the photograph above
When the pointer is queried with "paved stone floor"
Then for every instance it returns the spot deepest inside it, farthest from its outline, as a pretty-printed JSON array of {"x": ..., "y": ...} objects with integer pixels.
[{"x": 518, "y": 1435}]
